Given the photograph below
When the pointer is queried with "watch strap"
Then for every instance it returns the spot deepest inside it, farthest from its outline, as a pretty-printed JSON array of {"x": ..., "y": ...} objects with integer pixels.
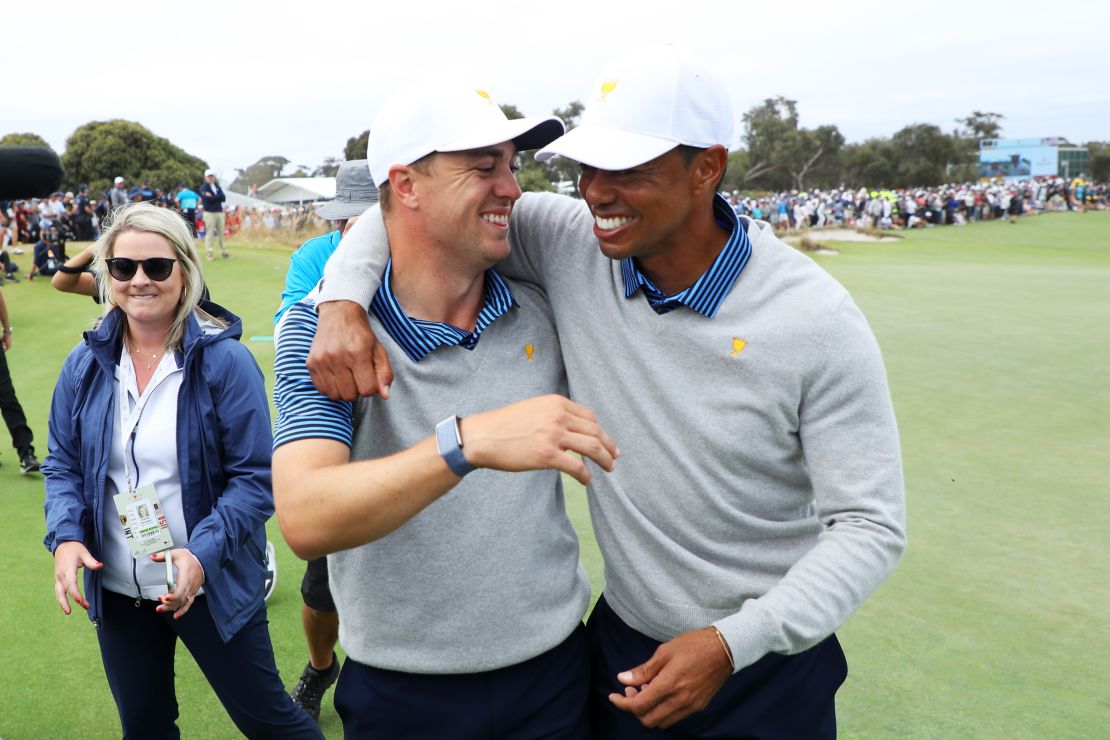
[{"x": 449, "y": 444}]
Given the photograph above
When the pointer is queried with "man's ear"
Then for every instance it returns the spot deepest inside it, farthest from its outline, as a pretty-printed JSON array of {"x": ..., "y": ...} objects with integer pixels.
[
  {"x": 707, "y": 169},
  {"x": 402, "y": 182}
]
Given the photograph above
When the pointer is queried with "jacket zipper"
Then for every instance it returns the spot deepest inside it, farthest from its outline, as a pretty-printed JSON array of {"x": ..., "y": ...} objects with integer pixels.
[{"x": 98, "y": 493}]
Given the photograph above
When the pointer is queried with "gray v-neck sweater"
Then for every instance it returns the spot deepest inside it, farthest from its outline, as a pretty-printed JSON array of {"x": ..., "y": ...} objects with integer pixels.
[
  {"x": 760, "y": 485},
  {"x": 488, "y": 575}
]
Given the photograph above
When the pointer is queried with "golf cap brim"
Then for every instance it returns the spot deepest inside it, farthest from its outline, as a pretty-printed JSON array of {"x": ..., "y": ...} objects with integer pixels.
[
  {"x": 606, "y": 148},
  {"x": 525, "y": 133}
]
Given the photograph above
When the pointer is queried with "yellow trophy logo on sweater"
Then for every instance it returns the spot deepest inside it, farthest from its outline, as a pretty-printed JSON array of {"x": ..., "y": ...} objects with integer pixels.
[
  {"x": 737, "y": 346},
  {"x": 607, "y": 87},
  {"x": 529, "y": 352}
]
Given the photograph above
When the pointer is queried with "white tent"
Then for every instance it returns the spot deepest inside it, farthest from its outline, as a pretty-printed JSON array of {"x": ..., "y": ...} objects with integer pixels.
[
  {"x": 246, "y": 202},
  {"x": 298, "y": 189}
]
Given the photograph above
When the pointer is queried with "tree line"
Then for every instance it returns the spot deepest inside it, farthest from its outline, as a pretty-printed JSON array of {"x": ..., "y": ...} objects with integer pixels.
[
  {"x": 777, "y": 153},
  {"x": 98, "y": 151}
]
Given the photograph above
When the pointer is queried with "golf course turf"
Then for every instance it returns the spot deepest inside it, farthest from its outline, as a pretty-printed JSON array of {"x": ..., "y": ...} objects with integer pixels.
[{"x": 997, "y": 344}]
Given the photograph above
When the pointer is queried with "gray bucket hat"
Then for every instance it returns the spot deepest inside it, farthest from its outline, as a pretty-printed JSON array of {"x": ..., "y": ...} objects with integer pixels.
[{"x": 354, "y": 192}]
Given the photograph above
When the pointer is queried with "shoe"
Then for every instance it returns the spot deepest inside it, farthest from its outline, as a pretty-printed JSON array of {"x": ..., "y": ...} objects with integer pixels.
[
  {"x": 210, "y": 257},
  {"x": 13, "y": 277},
  {"x": 271, "y": 572},
  {"x": 310, "y": 689},
  {"x": 225, "y": 255},
  {"x": 29, "y": 463}
]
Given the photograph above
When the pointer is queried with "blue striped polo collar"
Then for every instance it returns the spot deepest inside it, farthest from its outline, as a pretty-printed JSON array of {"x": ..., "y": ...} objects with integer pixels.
[
  {"x": 418, "y": 337},
  {"x": 708, "y": 291}
]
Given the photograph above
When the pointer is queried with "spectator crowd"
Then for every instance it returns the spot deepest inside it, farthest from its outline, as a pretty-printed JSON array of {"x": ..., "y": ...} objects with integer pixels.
[
  {"x": 907, "y": 208},
  {"x": 49, "y": 223}
]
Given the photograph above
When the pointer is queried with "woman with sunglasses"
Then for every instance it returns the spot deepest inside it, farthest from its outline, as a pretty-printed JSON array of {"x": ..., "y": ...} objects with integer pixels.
[{"x": 158, "y": 484}]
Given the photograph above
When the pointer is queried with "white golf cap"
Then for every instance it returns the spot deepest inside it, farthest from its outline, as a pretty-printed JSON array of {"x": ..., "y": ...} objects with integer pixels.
[
  {"x": 447, "y": 117},
  {"x": 210, "y": 173},
  {"x": 118, "y": 180},
  {"x": 646, "y": 102}
]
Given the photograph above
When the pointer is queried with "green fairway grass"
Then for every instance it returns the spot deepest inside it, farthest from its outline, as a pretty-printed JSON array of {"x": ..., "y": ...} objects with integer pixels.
[{"x": 997, "y": 344}]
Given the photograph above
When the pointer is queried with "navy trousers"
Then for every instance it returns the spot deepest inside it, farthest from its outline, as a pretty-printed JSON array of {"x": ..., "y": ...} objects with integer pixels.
[
  {"x": 778, "y": 696},
  {"x": 137, "y": 645},
  {"x": 544, "y": 697}
]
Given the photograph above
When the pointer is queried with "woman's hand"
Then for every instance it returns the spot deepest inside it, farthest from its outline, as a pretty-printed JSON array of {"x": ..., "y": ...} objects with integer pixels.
[
  {"x": 190, "y": 577},
  {"x": 68, "y": 557}
]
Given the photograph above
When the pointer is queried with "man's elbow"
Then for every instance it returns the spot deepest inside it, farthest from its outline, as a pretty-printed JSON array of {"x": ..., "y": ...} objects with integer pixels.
[
  {"x": 900, "y": 543},
  {"x": 308, "y": 551},
  {"x": 295, "y": 521},
  {"x": 891, "y": 543},
  {"x": 300, "y": 535}
]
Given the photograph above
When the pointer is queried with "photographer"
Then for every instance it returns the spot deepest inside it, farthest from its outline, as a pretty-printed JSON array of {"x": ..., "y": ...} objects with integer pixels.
[{"x": 49, "y": 250}]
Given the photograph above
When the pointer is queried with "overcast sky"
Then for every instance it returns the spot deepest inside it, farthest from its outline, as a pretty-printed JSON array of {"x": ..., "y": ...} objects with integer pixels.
[{"x": 231, "y": 82}]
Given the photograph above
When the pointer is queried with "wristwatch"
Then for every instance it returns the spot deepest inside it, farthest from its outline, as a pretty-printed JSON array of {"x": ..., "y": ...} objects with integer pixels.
[{"x": 449, "y": 444}]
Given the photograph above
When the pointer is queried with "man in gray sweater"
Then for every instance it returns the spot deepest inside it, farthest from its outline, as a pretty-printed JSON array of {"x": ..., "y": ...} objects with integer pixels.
[
  {"x": 760, "y": 498},
  {"x": 460, "y": 599}
]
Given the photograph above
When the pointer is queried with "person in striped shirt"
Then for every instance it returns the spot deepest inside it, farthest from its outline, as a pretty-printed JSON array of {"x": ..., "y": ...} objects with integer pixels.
[
  {"x": 759, "y": 500},
  {"x": 455, "y": 574}
]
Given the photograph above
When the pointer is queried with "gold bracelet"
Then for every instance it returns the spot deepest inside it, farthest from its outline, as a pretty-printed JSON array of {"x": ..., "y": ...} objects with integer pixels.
[{"x": 724, "y": 644}]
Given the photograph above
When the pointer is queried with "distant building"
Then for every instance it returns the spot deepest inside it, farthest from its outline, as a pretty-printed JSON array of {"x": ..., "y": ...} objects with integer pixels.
[{"x": 1017, "y": 159}]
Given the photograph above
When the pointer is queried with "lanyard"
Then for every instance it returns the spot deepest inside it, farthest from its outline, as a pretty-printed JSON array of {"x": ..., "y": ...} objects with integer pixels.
[{"x": 130, "y": 419}]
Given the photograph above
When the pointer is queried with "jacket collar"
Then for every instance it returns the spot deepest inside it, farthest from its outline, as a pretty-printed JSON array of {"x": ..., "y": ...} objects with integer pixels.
[{"x": 105, "y": 341}]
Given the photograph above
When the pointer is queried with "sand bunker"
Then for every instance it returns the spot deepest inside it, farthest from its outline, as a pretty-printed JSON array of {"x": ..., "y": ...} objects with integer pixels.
[
  {"x": 820, "y": 241},
  {"x": 844, "y": 235}
]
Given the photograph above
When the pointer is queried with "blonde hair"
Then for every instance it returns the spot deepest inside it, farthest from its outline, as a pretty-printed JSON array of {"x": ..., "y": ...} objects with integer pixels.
[{"x": 171, "y": 226}]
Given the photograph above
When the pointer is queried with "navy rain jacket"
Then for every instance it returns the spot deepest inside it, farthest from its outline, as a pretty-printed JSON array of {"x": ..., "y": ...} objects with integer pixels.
[{"x": 224, "y": 444}]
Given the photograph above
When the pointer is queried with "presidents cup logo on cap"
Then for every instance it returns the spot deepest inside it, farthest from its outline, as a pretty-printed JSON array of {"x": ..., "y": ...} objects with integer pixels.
[
  {"x": 667, "y": 98},
  {"x": 484, "y": 94},
  {"x": 607, "y": 86}
]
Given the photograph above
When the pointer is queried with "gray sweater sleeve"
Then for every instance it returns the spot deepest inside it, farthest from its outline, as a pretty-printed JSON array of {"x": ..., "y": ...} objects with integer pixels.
[
  {"x": 850, "y": 439},
  {"x": 538, "y": 233},
  {"x": 354, "y": 272}
]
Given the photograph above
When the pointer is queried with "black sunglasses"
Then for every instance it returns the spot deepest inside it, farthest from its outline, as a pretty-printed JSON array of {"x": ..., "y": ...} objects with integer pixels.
[{"x": 155, "y": 268}]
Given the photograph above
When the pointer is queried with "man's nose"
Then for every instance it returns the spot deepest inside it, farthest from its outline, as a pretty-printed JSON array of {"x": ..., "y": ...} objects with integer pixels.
[
  {"x": 596, "y": 188},
  {"x": 507, "y": 186}
]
